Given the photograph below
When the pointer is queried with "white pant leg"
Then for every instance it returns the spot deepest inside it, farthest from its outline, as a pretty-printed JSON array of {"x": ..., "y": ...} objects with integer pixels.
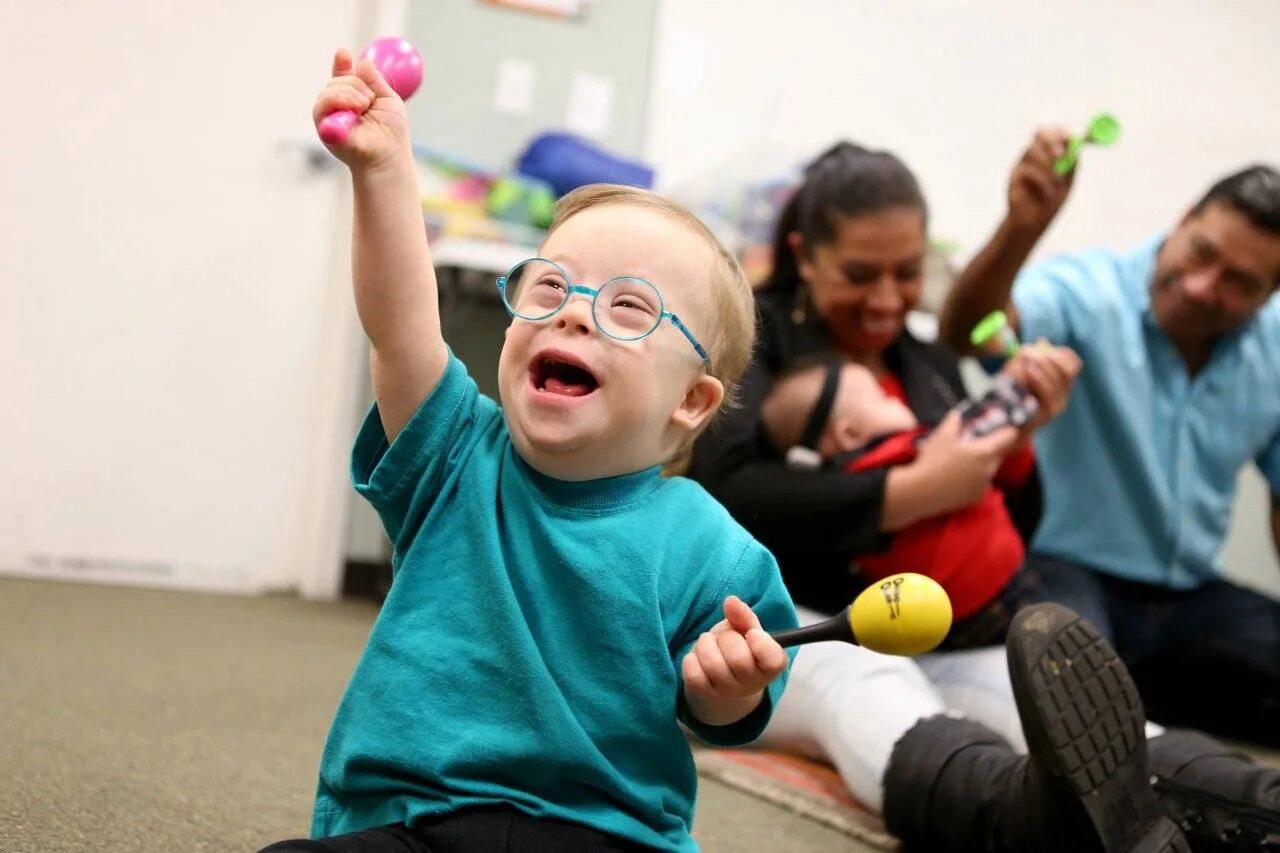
[
  {"x": 849, "y": 706},
  {"x": 975, "y": 683}
]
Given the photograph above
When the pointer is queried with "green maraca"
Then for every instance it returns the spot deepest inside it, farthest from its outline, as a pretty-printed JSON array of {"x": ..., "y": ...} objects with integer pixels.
[
  {"x": 995, "y": 325},
  {"x": 1103, "y": 130}
]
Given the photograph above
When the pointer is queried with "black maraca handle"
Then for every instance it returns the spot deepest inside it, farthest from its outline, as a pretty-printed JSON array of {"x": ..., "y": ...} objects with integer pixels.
[{"x": 837, "y": 628}]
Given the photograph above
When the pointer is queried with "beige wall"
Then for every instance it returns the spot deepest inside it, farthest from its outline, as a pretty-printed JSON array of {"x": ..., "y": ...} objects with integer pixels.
[{"x": 169, "y": 311}]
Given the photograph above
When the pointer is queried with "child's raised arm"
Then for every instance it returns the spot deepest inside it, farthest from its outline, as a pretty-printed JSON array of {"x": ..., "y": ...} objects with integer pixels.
[{"x": 395, "y": 285}]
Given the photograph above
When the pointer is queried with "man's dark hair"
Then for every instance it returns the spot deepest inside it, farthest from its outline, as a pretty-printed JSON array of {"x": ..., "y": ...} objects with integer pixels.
[{"x": 1253, "y": 192}]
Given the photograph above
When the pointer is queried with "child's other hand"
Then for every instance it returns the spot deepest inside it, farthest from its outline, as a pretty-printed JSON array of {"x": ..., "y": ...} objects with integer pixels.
[
  {"x": 382, "y": 130},
  {"x": 730, "y": 666}
]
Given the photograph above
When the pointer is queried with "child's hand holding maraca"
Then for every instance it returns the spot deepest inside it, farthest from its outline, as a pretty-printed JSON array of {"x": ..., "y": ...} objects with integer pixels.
[
  {"x": 381, "y": 130},
  {"x": 730, "y": 666}
]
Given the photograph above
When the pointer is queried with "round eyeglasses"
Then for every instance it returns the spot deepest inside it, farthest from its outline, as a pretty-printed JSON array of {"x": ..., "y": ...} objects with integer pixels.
[{"x": 624, "y": 308}]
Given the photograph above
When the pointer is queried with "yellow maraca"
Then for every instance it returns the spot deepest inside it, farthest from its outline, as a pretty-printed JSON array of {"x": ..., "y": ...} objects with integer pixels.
[{"x": 905, "y": 614}]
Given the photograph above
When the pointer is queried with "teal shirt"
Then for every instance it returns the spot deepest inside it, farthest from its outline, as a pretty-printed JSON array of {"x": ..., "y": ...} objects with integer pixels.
[
  {"x": 1140, "y": 471},
  {"x": 529, "y": 650}
]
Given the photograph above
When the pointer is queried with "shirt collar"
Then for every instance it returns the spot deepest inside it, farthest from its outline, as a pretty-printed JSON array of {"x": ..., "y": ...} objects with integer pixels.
[{"x": 602, "y": 495}]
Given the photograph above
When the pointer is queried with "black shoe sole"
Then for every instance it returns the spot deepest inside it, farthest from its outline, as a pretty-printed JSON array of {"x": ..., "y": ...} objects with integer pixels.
[{"x": 1085, "y": 727}]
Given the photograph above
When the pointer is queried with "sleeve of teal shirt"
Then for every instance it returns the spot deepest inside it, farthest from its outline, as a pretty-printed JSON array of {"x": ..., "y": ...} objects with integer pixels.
[
  {"x": 1269, "y": 464},
  {"x": 757, "y": 581},
  {"x": 401, "y": 480},
  {"x": 1040, "y": 294}
]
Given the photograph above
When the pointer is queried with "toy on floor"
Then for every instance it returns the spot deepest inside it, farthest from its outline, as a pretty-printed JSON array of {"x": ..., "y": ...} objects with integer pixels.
[
  {"x": 401, "y": 65},
  {"x": 1103, "y": 130},
  {"x": 905, "y": 614}
]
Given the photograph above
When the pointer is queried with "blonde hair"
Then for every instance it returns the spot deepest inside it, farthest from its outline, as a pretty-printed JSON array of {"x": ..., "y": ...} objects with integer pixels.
[{"x": 732, "y": 332}]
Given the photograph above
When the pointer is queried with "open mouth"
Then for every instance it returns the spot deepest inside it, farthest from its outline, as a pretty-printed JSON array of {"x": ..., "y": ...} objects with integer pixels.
[{"x": 556, "y": 373}]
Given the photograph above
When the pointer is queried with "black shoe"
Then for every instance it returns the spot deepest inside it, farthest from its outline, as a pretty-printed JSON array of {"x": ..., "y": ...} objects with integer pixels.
[
  {"x": 955, "y": 785},
  {"x": 1220, "y": 798},
  {"x": 1085, "y": 727}
]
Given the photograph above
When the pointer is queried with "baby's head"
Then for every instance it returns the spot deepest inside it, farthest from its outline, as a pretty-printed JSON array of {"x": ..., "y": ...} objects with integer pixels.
[
  {"x": 860, "y": 411},
  {"x": 592, "y": 395}
]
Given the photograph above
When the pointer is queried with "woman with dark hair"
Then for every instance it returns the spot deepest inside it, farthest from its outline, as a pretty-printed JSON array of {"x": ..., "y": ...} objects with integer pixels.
[
  {"x": 849, "y": 266},
  {"x": 849, "y": 259}
]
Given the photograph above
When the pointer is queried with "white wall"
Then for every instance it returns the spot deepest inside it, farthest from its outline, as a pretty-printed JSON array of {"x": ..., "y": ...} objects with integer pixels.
[
  {"x": 956, "y": 87},
  {"x": 175, "y": 323},
  {"x": 1249, "y": 554}
]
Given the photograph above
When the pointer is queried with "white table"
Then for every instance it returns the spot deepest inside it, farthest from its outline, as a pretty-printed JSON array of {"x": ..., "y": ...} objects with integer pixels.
[{"x": 480, "y": 255}]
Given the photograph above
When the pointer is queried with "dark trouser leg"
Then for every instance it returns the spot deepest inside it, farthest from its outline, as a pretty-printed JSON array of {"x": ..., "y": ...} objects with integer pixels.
[
  {"x": 491, "y": 830},
  {"x": 990, "y": 625},
  {"x": 488, "y": 830},
  {"x": 1222, "y": 800},
  {"x": 383, "y": 839},
  {"x": 1207, "y": 658},
  {"x": 955, "y": 785},
  {"x": 1074, "y": 586},
  {"x": 540, "y": 835},
  {"x": 1216, "y": 665}
]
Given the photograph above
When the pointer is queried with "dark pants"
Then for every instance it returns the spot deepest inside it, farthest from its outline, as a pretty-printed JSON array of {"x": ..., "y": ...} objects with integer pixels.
[
  {"x": 990, "y": 625},
  {"x": 1205, "y": 658},
  {"x": 472, "y": 831}
]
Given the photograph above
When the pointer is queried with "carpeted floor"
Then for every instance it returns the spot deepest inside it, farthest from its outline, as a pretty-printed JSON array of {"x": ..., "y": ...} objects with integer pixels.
[{"x": 137, "y": 720}]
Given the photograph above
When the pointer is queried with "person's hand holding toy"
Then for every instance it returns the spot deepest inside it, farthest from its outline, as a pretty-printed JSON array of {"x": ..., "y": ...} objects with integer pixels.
[
  {"x": 729, "y": 666},
  {"x": 1045, "y": 371},
  {"x": 1048, "y": 372},
  {"x": 1042, "y": 179},
  {"x": 1036, "y": 191},
  {"x": 359, "y": 115}
]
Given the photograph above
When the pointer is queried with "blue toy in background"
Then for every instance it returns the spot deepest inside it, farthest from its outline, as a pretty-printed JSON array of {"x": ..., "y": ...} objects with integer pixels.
[
  {"x": 466, "y": 199},
  {"x": 566, "y": 162}
]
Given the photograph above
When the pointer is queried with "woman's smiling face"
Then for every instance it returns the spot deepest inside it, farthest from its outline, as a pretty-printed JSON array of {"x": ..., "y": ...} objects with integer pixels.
[{"x": 865, "y": 279}]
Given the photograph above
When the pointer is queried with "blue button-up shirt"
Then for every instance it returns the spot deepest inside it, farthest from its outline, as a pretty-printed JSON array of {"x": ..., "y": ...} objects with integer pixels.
[{"x": 1140, "y": 471}]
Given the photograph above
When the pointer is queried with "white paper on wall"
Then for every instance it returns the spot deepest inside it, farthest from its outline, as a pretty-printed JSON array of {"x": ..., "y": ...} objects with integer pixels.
[
  {"x": 513, "y": 87},
  {"x": 590, "y": 111}
]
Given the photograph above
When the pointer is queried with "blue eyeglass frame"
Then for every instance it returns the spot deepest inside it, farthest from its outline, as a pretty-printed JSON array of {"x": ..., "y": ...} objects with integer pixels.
[{"x": 592, "y": 293}]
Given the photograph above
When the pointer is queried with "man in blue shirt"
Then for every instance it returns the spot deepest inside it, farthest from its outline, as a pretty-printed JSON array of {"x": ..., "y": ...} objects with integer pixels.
[{"x": 1180, "y": 340}]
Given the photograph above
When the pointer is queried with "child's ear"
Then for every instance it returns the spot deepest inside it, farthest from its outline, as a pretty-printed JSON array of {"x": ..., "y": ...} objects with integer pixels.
[{"x": 700, "y": 402}]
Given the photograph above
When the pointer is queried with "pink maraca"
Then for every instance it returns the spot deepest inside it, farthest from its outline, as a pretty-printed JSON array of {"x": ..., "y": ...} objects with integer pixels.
[{"x": 401, "y": 65}]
